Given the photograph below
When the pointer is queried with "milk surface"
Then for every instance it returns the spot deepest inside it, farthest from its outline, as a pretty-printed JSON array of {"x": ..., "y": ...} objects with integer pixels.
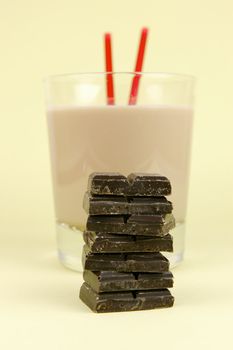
[{"x": 125, "y": 139}]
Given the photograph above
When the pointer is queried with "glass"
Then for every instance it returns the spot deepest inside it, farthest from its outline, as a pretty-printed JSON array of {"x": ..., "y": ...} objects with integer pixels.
[{"x": 87, "y": 135}]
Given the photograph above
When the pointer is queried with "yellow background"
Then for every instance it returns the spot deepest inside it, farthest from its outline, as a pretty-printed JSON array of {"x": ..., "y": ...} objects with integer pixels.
[{"x": 44, "y": 37}]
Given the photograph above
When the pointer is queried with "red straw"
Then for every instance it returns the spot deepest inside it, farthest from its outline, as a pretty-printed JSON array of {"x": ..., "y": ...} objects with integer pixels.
[
  {"x": 138, "y": 67},
  {"x": 108, "y": 67}
]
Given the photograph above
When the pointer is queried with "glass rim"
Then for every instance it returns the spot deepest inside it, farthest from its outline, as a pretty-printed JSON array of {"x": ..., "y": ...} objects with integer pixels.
[{"x": 164, "y": 75}]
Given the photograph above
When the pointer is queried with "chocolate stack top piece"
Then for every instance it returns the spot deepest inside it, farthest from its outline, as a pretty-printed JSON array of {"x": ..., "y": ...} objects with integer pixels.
[{"x": 135, "y": 184}]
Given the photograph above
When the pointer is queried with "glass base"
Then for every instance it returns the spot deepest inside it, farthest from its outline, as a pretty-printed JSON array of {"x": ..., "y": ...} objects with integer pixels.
[
  {"x": 69, "y": 261},
  {"x": 70, "y": 244}
]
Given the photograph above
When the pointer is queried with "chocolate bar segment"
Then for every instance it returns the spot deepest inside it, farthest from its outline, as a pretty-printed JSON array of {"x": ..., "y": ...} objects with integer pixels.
[
  {"x": 105, "y": 205},
  {"x": 112, "y": 281},
  {"x": 112, "y": 243},
  {"x": 132, "y": 262},
  {"x": 149, "y": 205},
  {"x": 125, "y": 301},
  {"x": 154, "y": 225},
  {"x": 118, "y": 205},
  {"x": 107, "y": 184},
  {"x": 142, "y": 184},
  {"x": 136, "y": 184}
]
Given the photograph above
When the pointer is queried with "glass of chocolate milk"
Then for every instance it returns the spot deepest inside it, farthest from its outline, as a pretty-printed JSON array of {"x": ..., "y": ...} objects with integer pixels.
[{"x": 87, "y": 135}]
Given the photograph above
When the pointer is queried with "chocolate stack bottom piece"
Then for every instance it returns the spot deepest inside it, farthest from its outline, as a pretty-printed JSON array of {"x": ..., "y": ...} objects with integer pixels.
[{"x": 127, "y": 229}]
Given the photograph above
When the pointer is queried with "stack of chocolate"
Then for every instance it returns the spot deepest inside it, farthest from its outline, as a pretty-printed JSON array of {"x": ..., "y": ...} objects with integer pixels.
[{"x": 127, "y": 228}]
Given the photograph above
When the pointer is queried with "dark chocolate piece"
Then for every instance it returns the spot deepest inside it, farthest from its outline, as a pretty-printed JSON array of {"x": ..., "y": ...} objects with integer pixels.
[
  {"x": 132, "y": 262},
  {"x": 107, "y": 184},
  {"x": 112, "y": 243},
  {"x": 151, "y": 225},
  {"x": 125, "y": 301},
  {"x": 118, "y": 205},
  {"x": 112, "y": 281},
  {"x": 136, "y": 184}
]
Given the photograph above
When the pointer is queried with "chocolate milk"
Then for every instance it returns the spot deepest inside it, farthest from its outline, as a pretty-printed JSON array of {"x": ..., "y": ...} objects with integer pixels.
[{"x": 125, "y": 139}]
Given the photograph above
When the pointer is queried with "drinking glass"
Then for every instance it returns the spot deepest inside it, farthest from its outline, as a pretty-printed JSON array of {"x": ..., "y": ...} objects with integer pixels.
[{"x": 87, "y": 135}]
